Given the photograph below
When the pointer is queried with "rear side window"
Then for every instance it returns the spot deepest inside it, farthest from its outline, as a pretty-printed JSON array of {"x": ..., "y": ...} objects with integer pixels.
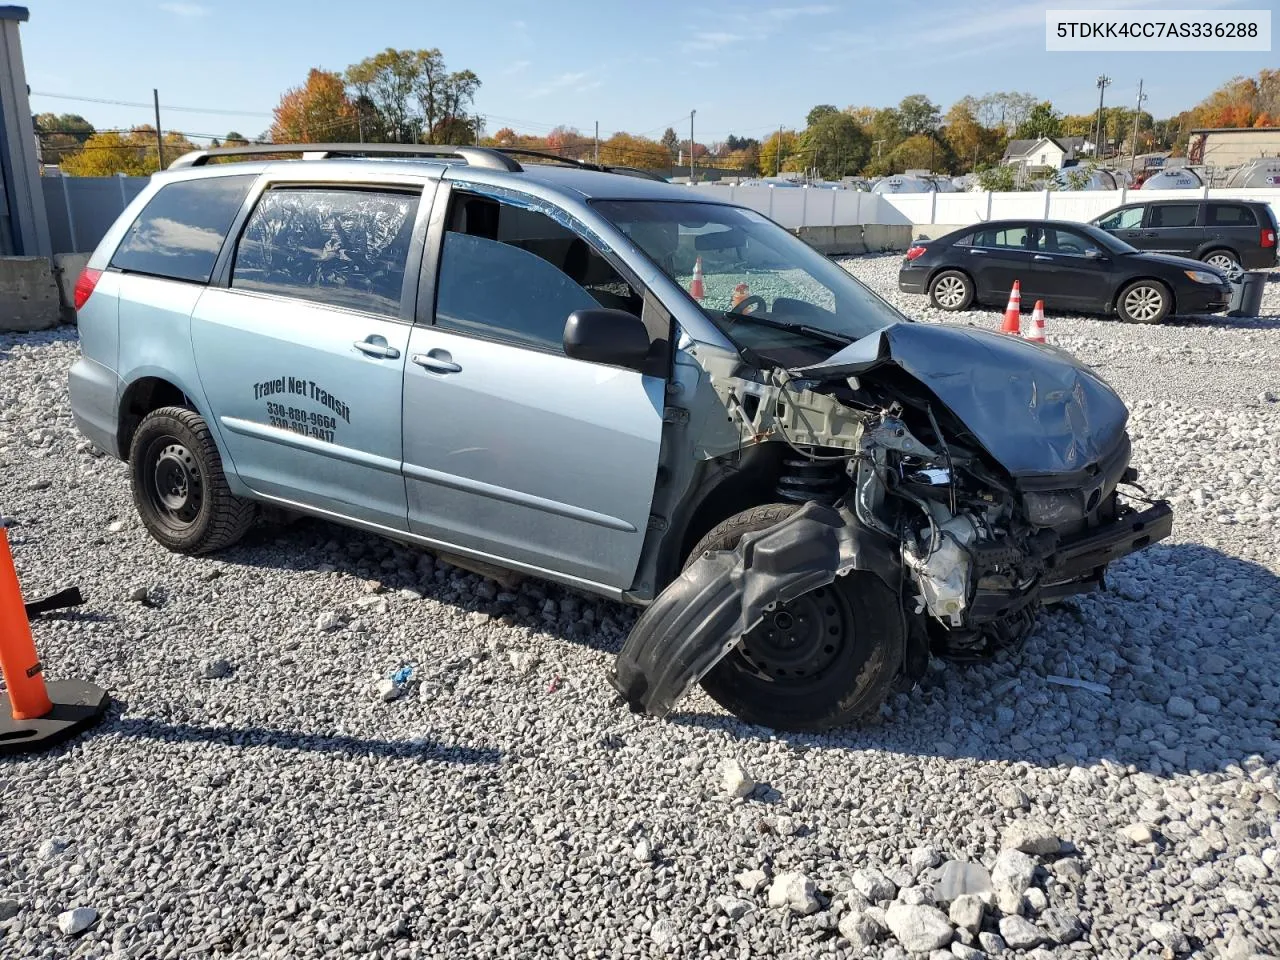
[
  {"x": 1016, "y": 238},
  {"x": 346, "y": 248},
  {"x": 1230, "y": 215},
  {"x": 1130, "y": 218},
  {"x": 179, "y": 233},
  {"x": 1173, "y": 215}
]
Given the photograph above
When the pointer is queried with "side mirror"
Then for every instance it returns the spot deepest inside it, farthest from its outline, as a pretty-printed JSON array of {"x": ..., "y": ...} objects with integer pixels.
[
  {"x": 1094, "y": 254},
  {"x": 607, "y": 336}
]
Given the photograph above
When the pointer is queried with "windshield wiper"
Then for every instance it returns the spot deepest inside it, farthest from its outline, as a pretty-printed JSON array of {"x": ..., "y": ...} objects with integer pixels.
[{"x": 837, "y": 339}]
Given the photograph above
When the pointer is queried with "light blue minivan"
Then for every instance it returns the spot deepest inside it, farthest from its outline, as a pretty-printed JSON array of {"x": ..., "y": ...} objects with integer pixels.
[{"x": 627, "y": 386}]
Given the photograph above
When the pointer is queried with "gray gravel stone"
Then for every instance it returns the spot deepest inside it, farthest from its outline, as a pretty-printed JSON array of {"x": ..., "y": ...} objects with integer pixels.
[
  {"x": 1020, "y": 933},
  {"x": 734, "y": 779},
  {"x": 77, "y": 920},
  {"x": 1060, "y": 925},
  {"x": 967, "y": 912},
  {"x": 795, "y": 892},
  {"x": 734, "y": 908},
  {"x": 874, "y": 885},
  {"x": 1031, "y": 836},
  {"x": 752, "y": 881},
  {"x": 992, "y": 943},
  {"x": 9, "y": 909},
  {"x": 861, "y": 928},
  {"x": 218, "y": 669},
  {"x": 918, "y": 927}
]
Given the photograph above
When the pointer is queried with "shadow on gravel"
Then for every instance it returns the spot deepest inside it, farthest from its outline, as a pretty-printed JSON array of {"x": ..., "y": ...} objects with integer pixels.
[
  {"x": 289, "y": 740},
  {"x": 1187, "y": 640},
  {"x": 66, "y": 333}
]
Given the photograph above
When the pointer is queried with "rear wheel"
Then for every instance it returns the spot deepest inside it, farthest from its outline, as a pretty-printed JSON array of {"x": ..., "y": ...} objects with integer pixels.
[
  {"x": 1224, "y": 260},
  {"x": 821, "y": 661},
  {"x": 951, "y": 290},
  {"x": 178, "y": 485},
  {"x": 1144, "y": 301}
]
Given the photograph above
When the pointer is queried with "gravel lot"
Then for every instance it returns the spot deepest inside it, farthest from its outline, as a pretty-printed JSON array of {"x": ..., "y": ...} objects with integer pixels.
[{"x": 273, "y": 806}]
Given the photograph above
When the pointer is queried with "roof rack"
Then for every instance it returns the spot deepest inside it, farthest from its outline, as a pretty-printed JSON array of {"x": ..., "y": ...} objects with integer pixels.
[
  {"x": 475, "y": 156},
  {"x": 582, "y": 164}
]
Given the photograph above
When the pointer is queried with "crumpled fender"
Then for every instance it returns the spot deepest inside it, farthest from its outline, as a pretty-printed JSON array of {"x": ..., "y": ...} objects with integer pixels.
[{"x": 720, "y": 597}]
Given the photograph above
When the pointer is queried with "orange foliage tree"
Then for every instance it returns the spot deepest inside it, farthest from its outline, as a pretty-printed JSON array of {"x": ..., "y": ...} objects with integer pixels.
[{"x": 316, "y": 112}]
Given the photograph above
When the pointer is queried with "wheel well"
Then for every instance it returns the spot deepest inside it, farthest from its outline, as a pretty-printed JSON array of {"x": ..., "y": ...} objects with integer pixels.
[
  {"x": 1219, "y": 248},
  {"x": 960, "y": 270},
  {"x": 140, "y": 398}
]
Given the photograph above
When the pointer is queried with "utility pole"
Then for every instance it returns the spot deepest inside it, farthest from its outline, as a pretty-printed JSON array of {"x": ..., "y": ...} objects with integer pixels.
[
  {"x": 1133, "y": 144},
  {"x": 1103, "y": 82},
  {"x": 597, "y": 143},
  {"x": 777, "y": 161},
  {"x": 691, "y": 113},
  {"x": 155, "y": 96}
]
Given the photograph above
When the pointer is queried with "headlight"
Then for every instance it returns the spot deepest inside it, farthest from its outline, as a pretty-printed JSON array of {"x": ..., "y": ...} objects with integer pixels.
[
  {"x": 1202, "y": 276},
  {"x": 1053, "y": 509}
]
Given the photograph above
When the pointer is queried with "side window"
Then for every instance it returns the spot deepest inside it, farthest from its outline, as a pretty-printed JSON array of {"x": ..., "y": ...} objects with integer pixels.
[
  {"x": 515, "y": 275},
  {"x": 1230, "y": 215},
  {"x": 346, "y": 248},
  {"x": 1056, "y": 240},
  {"x": 1173, "y": 215},
  {"x": 179, "y": 233},
  {"x": 1015, "y": 238},
  {"x": 1130, "y": 218}
]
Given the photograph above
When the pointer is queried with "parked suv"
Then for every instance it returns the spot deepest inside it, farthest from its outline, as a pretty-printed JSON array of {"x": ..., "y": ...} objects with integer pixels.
[
  {"x": 1232, "y": 235},
  {"x": 617, "y": 384}
]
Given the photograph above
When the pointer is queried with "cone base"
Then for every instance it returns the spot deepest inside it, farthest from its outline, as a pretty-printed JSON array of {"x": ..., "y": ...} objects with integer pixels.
[{"x": 77, "y": 705}]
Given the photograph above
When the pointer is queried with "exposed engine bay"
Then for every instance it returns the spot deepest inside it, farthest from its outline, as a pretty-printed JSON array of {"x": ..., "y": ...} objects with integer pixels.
[{"x": 977, "y": 478}]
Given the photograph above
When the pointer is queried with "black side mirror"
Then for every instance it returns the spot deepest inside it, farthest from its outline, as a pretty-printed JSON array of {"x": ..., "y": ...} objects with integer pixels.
[
  {"x": 1094, "y": 254},
  {"x": 607, "y": 336}
]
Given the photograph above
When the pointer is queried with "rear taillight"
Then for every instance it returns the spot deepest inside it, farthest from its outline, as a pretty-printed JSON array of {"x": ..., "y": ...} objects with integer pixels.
[
  {"x": 915, "y": 252},
  {"x": 87, "y": 280},
  {"x": 1268, "y": 239}
]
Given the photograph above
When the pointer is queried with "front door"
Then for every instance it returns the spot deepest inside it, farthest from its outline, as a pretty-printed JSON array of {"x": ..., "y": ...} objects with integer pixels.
[
  {"x": 302, "y": 356},
  {"x": 512, "y": 450},
  {"x": 1078, "y": 271},
  {"x": 1001, "y": 255}
]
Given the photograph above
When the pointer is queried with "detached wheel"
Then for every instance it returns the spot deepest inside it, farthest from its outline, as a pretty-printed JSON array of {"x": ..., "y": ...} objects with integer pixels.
[
  {"x": 951, "y": 290},
  {"x": 823, "y": 660},
  {"x": 1226, "y": 261},
  {"x": 1144, "y": 301},
  {"x": 179, "y": 488}
]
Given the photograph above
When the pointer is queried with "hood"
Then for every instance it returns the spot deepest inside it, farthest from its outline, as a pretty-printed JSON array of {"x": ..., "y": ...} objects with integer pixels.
[
  {"x": 1037, "y": 410},
  {"x": 1181, "y": 263}
]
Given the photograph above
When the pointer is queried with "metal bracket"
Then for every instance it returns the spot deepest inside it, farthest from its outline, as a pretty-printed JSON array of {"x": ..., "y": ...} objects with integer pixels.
[{"x": 675, "y": 415}]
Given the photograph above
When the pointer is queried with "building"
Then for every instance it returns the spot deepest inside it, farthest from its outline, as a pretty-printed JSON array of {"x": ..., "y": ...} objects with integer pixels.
[
  {"x": 1232, "y": 146},
  {"x": 1048, "y": 152},
  {"x": 24, "y": 227}
]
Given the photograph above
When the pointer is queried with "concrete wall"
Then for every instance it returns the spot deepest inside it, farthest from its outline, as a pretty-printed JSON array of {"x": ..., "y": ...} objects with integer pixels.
[
  {"x": 66, "y": 271},
  {"x": 28, "y": 294},
  {"x": 857, "y": 238}
]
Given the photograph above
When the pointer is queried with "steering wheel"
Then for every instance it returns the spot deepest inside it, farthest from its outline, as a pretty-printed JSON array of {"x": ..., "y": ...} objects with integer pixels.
[
  {"x": 1070, "y": 247},
  {"x": 750, "y": 305}
]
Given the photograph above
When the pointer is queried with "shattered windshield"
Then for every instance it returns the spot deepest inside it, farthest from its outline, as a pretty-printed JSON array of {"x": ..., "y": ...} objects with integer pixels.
[{"x": 765, "y": 288}]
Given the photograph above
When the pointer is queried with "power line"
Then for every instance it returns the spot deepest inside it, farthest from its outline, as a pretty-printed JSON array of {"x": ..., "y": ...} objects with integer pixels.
[{"x": 139, "y": 103}]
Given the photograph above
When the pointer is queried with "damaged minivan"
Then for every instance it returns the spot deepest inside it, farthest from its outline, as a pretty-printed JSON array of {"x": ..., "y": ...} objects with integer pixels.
[{"x": 625, "y": 386}]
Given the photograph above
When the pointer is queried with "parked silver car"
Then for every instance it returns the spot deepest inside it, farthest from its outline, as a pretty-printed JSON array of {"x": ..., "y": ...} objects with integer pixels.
[{"x": 614, "y": 383}]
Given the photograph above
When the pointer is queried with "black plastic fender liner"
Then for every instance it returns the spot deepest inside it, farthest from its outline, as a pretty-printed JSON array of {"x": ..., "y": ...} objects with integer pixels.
[{"x": 720, "y": 597}]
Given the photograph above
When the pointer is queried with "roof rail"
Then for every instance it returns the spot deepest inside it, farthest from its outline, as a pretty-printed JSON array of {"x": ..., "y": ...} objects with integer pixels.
[
  {"x": 583, "y": 164},
  {"x": 475, "y": 156}
]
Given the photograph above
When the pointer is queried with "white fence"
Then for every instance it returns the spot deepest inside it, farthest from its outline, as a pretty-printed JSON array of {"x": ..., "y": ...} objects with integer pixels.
[{"x": 824, "y": 207}]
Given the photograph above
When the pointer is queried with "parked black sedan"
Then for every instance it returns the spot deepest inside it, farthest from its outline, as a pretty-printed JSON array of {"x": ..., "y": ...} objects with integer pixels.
[{"x": 1070, "y": 266}]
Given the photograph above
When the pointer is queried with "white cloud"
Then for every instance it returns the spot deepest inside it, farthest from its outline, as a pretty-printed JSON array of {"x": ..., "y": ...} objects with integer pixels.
[
  {"x": 711, "y": 40},
  {"x": 517, "y": 66},
  {"x": 579, "y": 82},
  {"x": 185, "y": 9}
]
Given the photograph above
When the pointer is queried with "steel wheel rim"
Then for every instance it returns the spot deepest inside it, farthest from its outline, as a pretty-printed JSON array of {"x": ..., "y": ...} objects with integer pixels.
[
  {"x": 173, "y": 483},
  {"x": 1143, "y": 303},
  {"x": 1226, "y": 264},
  {"x": 797, "y": 642},
  {"x": 949, "y": 291}
]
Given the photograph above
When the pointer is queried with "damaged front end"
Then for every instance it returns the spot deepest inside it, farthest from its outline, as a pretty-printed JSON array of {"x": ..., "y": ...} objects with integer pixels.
[{"x": 980, "y": 479}]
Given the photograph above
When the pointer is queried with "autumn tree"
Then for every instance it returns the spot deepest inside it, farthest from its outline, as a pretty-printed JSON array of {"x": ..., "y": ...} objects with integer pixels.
[
  {"x": 970, "y": 142},
  {"x": 918, "y": 152},
  {"x": 316, "y": 112},
  {"x": 61, "y": 136},
  {"x": 626, "y": 150},
  {"x": 134, "y": 153},
  {"x": 1004, "y": 111},
  {"x": 1241, "y": 102},
  {"x": 789, "y": 141},
  {"x": 389, "y": 80},
  {"x": 818, "y": 112}
]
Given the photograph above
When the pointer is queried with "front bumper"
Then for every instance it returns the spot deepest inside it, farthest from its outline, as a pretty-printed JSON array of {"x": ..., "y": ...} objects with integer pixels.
[{"x": 1203, "y": 298}]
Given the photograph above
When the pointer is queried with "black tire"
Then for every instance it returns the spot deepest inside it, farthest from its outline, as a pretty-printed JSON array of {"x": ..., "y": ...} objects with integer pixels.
[
  {"x": 951, "y": 290},
  {"x": 1224, "y": 260},
  {"x": 1144, "y": 301},
  {"x": 179, "y": 488},
  {"x": 844, "y": 663}
]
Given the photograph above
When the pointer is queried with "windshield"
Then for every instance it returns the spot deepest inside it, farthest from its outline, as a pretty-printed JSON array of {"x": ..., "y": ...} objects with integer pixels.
[{"x": 766, "y": 289}]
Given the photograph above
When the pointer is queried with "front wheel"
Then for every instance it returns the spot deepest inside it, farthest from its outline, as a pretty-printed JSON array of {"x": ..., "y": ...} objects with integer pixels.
[
  {"x": 951, "y": 290},
  {"x": 178, "y": 485},
  {"x": 1144, "y": 301},
  {"x": 823, "y": 660}
]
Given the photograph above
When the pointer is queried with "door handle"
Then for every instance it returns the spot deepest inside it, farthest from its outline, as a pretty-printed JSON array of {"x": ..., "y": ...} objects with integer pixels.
[
  {"x": 438, "y": 364},
  {"x": 977, "y": 253},
  {"x": 1041, "y": 256},
  {"x": 1149, "y": 234},
  {"x": 376, "y": 347}
]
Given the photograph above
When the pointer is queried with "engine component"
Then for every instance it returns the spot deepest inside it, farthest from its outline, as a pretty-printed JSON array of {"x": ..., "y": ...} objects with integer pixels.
[{"x": 942, "y": 568}]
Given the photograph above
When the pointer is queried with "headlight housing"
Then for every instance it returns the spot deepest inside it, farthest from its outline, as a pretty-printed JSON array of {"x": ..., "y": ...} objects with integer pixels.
[
  {"x": 1203, "y": 276},
  {"x": 1053, "y": 508}
]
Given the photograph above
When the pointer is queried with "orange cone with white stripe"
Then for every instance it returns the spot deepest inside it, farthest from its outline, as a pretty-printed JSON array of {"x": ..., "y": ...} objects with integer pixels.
[
  {"x": 695, "y": 287},
  {"x": 1013, "y": 311},
  {"x": 1036, "y": 332}
]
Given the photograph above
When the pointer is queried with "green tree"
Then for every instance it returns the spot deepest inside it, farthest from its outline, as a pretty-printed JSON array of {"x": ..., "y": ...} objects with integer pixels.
[
  {"x": 61, "y": 136},
  {"x": 389, "y": 80},
  {"x": 836, "y": 145},
  {"x": 671, "y": 142},
  {"x": 818, "y": 112},
  {"x": 999, "y": 178},
  {"x": 1041, "y": 121},
  {"x": 918, "y": 114},
  {"x": 918, "y": 152},
  {"x": 789, "y": 141},
  {"x": 969, "y": 141},
  {"x": 1004, "y": 111}
]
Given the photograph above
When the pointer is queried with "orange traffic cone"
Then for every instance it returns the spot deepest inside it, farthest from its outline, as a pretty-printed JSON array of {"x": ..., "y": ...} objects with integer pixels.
[
  {"x": 1013, "y": 311},
  {"x": 1036, "y": 331},
  {"x": 740, "y": 293},
  {"x": 32, "y": 713},
  {"x": 695, "y": 287}
]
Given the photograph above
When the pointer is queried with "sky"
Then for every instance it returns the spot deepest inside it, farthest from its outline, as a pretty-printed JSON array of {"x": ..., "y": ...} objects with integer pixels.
[{"x": 744, "y": 67}]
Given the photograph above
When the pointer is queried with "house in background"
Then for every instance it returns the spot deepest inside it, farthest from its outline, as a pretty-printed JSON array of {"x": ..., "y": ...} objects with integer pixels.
[{"x": 1047, "y": 153}]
